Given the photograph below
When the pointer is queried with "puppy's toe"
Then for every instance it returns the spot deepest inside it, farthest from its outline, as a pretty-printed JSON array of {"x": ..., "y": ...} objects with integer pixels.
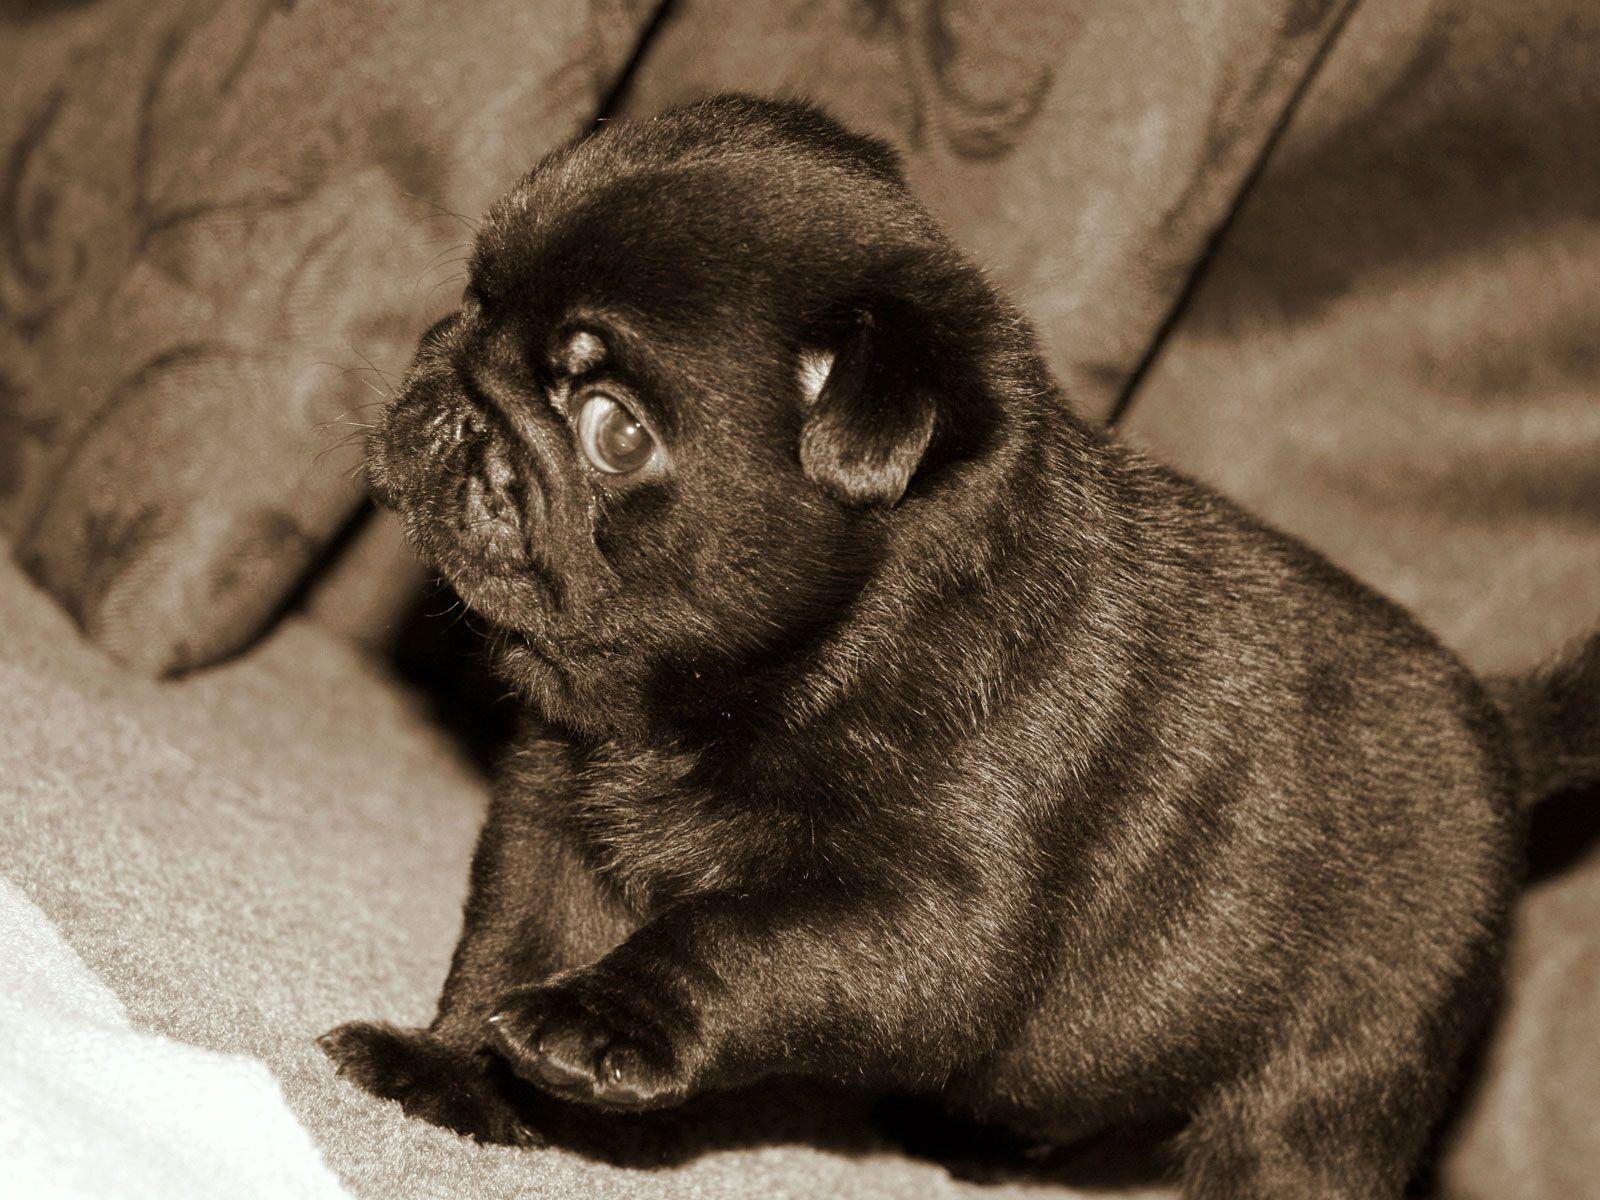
[
  {"x": 432, "y": 1081},
  {"x": 629, "y": 1080},
  {"x": 563, "y": 1042}
]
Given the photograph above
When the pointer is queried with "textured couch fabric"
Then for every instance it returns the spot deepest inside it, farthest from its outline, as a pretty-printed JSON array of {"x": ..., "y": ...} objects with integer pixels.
[
  {"x": 1532, "y": 1130},
  {"x": 1083, "y": 152},
  {"x": 86, "y": 1099}
]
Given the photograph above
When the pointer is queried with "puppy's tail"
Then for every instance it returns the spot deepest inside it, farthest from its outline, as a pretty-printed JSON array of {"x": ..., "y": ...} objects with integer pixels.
[{"x": 1554, "y": 717}]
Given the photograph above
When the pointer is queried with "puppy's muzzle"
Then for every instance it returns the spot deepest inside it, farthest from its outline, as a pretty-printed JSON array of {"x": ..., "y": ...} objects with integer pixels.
[{"x": 462, "y": 480}]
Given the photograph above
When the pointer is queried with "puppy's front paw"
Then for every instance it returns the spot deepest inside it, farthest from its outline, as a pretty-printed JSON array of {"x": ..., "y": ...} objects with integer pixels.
[
  {"x": 587, "y": 1039},
  {"x": 433, "y": 1081}
]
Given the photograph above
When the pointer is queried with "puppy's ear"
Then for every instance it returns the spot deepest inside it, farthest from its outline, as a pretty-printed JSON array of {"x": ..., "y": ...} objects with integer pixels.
[{"x": 868, "y": 417}]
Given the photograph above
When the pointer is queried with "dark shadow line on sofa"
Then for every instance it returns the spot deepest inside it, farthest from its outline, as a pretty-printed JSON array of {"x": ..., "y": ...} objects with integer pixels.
[
  {"x": 1208, "y": 253},
  {"x": 617, "y": 94}
]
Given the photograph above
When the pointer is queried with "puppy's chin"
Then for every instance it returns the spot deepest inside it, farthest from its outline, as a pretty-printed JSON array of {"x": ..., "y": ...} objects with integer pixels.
[
  {"x": 491, "y": 570},
  {"x": 516, "y": 601}
]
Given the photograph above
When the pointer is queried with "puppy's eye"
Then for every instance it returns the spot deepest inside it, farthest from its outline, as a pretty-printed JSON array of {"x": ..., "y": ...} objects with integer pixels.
[{"x": 612, "y": 437}]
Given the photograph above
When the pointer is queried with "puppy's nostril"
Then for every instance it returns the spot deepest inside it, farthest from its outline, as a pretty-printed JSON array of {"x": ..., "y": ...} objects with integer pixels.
[{"x": 498, "y": 472}]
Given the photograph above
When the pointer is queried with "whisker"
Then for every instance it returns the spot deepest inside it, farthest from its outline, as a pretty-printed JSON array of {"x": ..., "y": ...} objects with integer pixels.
[
  {"x": 428, "y": 299},
  {"x": 440, "y": 210},
  {"x": 388, "y": 385},
  {"x": 439, "y": 266},
  {"x": 447, "y": 250},
  {"x": 342, "y": 443},
  {"x": 348, "y": 370}
]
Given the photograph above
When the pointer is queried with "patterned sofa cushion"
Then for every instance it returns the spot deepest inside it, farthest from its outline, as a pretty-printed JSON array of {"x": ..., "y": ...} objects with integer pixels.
[{"x": 221, "y": 228}]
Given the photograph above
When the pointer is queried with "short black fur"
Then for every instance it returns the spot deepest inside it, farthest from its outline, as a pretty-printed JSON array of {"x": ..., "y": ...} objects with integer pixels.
[{"x": 908, "y": 731}]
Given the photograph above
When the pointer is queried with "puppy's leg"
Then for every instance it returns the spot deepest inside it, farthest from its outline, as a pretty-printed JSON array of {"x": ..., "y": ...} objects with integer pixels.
[
  {"x": 532, "y": 908},
  {"x": 719, "y": 992},
  {"x": 1340, "y": 1116}
]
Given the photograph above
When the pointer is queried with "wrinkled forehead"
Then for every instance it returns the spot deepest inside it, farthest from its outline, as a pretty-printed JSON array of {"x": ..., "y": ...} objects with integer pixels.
[
  {"x": 664, "y": 241},
  {"x": 647, "y": 219},
  {"x": 681, "y": 308},
  {"x": 701, "y": 276}
]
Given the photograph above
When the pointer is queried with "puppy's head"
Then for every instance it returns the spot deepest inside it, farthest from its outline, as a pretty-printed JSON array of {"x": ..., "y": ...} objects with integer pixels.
[{"x": 705, "y": 366}]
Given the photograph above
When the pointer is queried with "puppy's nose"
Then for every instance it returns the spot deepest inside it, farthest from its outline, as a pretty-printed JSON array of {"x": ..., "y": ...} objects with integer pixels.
[{"x": 495, "y": 506}]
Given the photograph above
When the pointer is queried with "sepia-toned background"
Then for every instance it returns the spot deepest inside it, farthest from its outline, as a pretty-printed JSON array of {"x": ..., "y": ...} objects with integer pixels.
[{"x": 1340, "y": 260}]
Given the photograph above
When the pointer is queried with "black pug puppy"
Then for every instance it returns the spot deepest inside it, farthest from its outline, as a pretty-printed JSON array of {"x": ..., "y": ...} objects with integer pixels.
[{"x": 908, "y": 731}]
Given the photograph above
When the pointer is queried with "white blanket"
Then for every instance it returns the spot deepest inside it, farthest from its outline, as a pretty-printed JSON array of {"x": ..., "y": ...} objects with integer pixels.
[{"x": 91, "y": 1107}]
